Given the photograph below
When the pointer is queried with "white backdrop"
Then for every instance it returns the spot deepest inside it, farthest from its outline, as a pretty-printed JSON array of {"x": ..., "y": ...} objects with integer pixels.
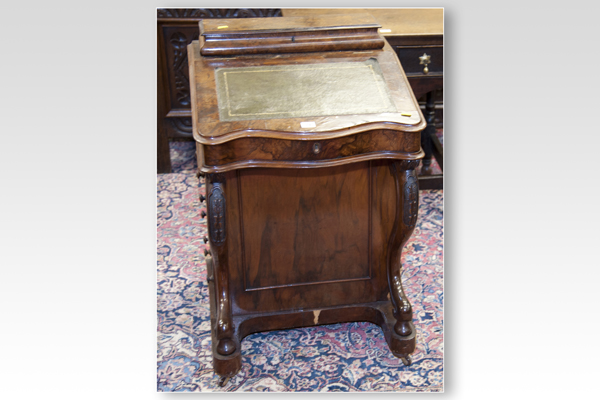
[{"x": 78, "y": 230}]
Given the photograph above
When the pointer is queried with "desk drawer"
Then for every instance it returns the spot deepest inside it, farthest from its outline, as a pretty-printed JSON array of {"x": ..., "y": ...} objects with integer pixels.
[
  {"x": 409, "y": 58},
  {"x": 264, "y": 152}
]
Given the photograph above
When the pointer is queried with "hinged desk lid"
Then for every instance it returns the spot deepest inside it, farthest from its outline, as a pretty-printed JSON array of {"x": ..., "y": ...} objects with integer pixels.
[{"x": 295, "y": 95}]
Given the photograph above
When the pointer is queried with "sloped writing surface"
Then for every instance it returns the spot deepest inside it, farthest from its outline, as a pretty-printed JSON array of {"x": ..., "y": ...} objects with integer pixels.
[{"x": 302, "y": 90}]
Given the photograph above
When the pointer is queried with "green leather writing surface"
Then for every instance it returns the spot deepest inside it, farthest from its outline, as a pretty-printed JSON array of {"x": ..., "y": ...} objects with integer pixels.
[{"x": 309, "y": 90}]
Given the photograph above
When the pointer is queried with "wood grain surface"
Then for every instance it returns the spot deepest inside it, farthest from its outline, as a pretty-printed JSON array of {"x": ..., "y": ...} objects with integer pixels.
[
  {"x": 399, "y": 21},
  {"x": 313, "y": 23},
  {"x": 309, "y": 221}
]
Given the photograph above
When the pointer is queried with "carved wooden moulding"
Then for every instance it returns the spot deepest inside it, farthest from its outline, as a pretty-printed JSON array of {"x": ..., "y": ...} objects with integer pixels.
[
  {"x": 198, "y": 13},
  {"x": 309, "y": 152}
]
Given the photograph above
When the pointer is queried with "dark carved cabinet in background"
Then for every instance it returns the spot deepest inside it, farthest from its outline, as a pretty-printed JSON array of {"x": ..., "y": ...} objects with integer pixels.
[{"x": 176, "y": 29}]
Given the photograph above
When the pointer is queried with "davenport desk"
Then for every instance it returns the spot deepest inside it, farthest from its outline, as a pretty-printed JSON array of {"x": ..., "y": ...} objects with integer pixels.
[{"x": 308, "y": 136}]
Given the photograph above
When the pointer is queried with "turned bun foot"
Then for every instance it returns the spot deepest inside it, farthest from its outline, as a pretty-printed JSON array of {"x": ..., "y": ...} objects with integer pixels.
[
  {"x": 226, "y": 347},
  {"x": 403, "y": 328},
  {"x": 406, "y": 360}
]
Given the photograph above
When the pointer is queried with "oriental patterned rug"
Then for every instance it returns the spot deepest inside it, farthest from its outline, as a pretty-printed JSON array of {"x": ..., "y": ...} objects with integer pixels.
[{"x": 341, "y": 357}]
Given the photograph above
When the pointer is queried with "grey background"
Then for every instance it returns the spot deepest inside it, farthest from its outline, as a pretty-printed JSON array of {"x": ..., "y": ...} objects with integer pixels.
[{"x": 78, "y": 226}]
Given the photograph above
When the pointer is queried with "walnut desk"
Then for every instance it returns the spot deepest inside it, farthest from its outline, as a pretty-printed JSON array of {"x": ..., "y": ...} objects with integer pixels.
[{"x": 308, "y": 135}]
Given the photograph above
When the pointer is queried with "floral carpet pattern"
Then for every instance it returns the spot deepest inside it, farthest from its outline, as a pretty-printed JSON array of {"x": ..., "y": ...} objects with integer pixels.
[{"x": 331, "y": 358}]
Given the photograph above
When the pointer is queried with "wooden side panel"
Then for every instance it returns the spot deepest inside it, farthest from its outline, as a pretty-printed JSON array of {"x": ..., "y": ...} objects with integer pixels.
[
  {"x": 309, "y": 238},
  {"x": 305, "y": 226}
]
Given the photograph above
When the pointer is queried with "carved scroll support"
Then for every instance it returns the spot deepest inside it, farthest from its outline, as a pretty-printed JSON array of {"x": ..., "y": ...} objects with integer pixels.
[
  {"x": 407, "y": 206},
  {"x": 217, "y": 230}
]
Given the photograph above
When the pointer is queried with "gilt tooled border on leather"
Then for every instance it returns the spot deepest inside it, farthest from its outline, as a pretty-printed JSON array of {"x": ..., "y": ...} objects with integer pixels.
[{"x": 272, "y": 91}]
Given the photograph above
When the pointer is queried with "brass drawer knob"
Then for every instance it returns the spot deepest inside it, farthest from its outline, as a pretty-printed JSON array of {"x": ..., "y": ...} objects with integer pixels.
[{"x": 425, "y": 59}]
